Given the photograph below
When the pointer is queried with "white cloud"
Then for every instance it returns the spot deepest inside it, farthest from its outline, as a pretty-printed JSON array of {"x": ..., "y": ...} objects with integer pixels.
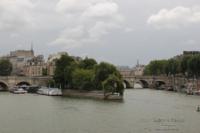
[
  {"x": 80, "y": 35},
  {"x": 92, "y": 19},
  {"x": 102, "y": 9},
  {"x": 74, "y": 22},
  {"x": 175, "y": 18},
  {"x": 70, "y": 37},
  {"x": 14, "y": 14},
  {"x": 71, "y": 6},
  {"x": 101, "y": 28}
]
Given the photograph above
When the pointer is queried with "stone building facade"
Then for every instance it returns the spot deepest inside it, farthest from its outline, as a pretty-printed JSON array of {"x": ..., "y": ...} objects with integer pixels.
[
  {"x": 35, "y": 66},
  {"x": 139, "y": 70},
  {"x": 25, "y": 63},
  {"x": 18, "y": 59}
]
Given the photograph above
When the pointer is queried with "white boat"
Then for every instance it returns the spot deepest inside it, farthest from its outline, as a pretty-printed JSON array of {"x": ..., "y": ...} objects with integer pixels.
[
  {"x": 50, "y": 91},
  {"x": 20, "y": 91},
  {"x": 54, "y": 92},
  {"x": 43, "y": 91}
]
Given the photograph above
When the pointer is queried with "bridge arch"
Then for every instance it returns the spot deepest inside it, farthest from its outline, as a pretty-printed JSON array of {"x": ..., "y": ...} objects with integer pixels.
[
  {"x": 145, "y": 84},
  {"x": 23, "y": 83},
  {"x": 3, "y": 86},
  {"x": 160, "y": 84},
  {"x": 126, "y": 84},
  {"x": 142, "y": 83}
]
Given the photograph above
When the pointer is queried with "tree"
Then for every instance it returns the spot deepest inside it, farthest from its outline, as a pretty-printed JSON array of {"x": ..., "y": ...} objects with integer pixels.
[
  {"x": 103, "y": 71},
  {"x": 44, "y": 71},
  {"x": 194, "y": 65},
  {"x": 87, "y": 63},
  {"x": 113, "y": 84},
  {"x": 172, "y": 67},
  {"x": 156, "y": 67},
  {"x": 87, "y": 75},
  {"x": 184, "y": 65},
  {"x": 83, "y": 79},
  {"x": 5, "y": 67},
  {"x": 63, "y": 72}
]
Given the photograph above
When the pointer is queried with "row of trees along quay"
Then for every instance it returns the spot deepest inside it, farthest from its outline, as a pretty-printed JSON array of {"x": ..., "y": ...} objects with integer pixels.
[
  {"x": 186, "y": 66},
  {"x": 87, "y": 75}
]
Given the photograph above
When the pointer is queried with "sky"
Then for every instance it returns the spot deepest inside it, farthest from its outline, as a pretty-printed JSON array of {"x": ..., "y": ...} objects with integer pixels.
[{"x": 117, "y": 31}]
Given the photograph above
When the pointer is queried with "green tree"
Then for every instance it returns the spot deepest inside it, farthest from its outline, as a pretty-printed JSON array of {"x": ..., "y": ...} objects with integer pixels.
[
  {"x": 194, "y": 65},
  {"x": 155, "y": 67},
  {"x": 103, "y": 71},
  {"x": 87, "y": 75},
  {"x": 113, "y": 84},
  {"x": 184, "y": 67},
  {"x": 173, "y": 67},
  {"x": 44, "y": 71},
  {"x": 63, "y": 72},
  {"x": 5, "y": 67},
  {"x": 87, "y": 63},
  {"x": 83, "y": 79}
]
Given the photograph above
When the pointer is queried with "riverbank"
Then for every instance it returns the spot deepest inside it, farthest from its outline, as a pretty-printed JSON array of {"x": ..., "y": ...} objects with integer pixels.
[{"x": 91, "y": 94}]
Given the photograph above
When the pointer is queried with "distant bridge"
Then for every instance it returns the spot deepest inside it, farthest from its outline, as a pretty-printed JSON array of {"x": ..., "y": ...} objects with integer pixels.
[
  {"x": 147, "y": 81},
  {"x": 10, "y": 81},
  {"x": 129, "y": 81}
]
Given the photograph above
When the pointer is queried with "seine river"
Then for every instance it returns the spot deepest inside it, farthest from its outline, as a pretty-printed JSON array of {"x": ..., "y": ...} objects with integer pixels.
[{"x": 143, "y": 111}]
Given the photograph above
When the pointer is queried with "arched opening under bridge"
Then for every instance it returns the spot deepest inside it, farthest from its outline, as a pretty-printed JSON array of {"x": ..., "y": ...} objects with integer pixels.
[
  {"x": 126, "y": 84},
  {"x": 23, "y": 83},
  {"x": 160, "y": 85},
  {"x": 3, "y": 86}
]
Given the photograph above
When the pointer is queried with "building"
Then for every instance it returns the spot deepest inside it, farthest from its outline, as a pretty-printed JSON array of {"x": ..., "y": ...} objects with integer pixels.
[
  {"x": 187, "y": 53},
  {"x": 35, "y": 66},
  {"x": 51, "y": 62},
  {"x": 125, "y": 71},
  {"x": 18, "y": 59},
  {"x": 139, "y": 70},
  {"x": 191, "y": 52},
  {"x": 25, "y": 63},
  {"x": 22, "y": 53}
]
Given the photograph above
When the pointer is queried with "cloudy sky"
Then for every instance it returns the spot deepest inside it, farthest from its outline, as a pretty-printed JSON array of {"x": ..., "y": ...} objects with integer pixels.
[{"x": 118, "y": 31}]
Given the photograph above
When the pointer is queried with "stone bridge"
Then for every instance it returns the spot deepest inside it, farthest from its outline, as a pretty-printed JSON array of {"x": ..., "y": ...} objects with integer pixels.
[
  {"x": 10, "y": 81},
  {"x": 147, "y": 81}
]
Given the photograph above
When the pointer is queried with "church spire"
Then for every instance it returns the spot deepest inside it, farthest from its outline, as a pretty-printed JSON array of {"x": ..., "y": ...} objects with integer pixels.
[
  {"x": 31, "y": 46},
  {"x": 32, "y": 51},
  {"x": 138, "y": 62}
]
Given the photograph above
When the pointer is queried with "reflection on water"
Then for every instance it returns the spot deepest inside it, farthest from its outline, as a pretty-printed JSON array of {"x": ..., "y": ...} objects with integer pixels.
[{"x": 143, "y": 111}]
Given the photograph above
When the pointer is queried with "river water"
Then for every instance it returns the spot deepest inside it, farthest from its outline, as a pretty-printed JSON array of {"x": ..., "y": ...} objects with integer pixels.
[{"x": 142, "y": 111}]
